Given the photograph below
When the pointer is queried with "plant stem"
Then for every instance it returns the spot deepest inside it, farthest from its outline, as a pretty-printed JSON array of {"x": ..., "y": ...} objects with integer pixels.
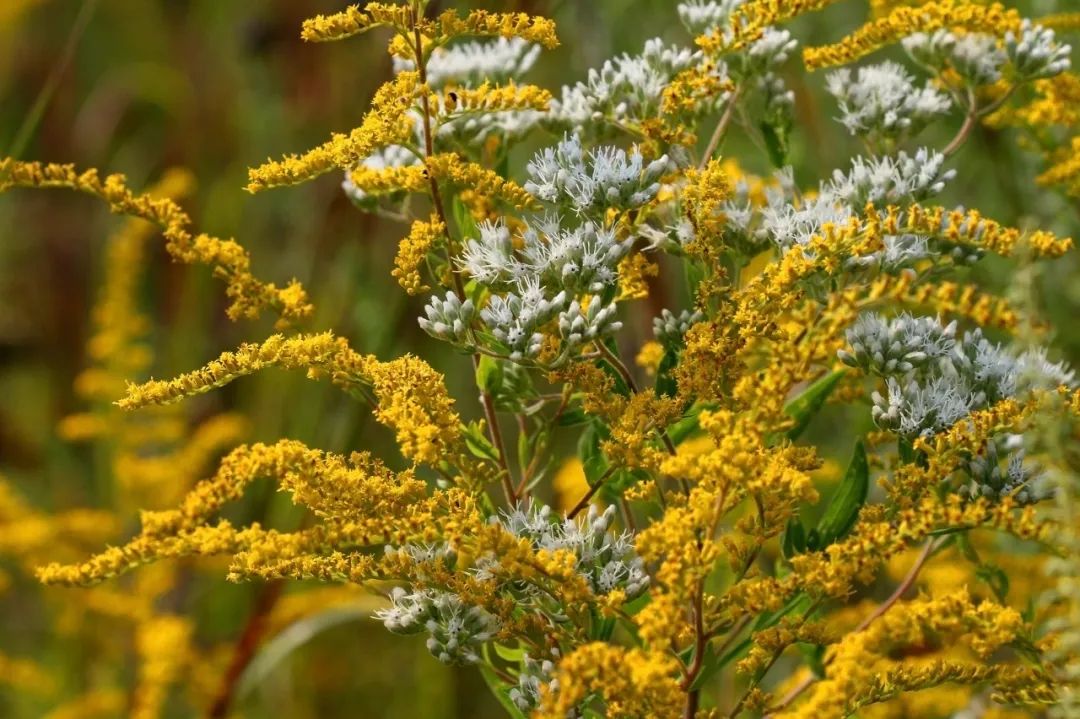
[
  {"x": 721, "y": 128},
  {"x": 904, "y": 586},
  {"x": 246, "y": 645},
  {"x": 436, "y": 197}
]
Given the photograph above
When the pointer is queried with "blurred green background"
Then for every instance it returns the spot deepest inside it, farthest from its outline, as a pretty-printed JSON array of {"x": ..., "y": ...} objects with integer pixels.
[{"x": 138, "y": 86}]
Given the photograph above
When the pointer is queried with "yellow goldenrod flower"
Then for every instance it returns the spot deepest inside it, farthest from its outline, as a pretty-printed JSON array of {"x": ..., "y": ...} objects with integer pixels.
[
  {"x": 412, "y": 252},
  {"x": 163, "y": 645},
  {"x": 229, "y": 259},
  {"x": 459, "y": 101},
  {"x": 454, "y": 170},
  {"x": 25, "y": 675},
  {"x": 994, "y": 19},
  {"x": 535, "y": 29},
  {"x": 352, "y": 20},
  {"x": 386, "y": 180},
  {"x": 387, "y": 123},
  {"x": 634, "y": 271},
  {"x": 751, "y": 18},
  {"x": 97, "y": 703},
  {"x": 1066, "y": 21},
  {"x": 631, "y": 681},
  {"x": 1066, "y": 170}
]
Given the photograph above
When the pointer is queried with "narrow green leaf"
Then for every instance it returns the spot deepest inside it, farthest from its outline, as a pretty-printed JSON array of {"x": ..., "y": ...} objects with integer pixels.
[
  {"x": 794, "y": 539},
  {"x": 848, "y": 499},
  {"x": 666, "y": 386},
  {"x": 804, "y": 407},
  {"x": 509, "y": 654},
  {"x": 501, "y": 690}
]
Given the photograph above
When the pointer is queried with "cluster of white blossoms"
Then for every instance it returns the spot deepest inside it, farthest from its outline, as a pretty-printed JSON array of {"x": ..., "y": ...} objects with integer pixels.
[
  {"x": 562, "y": 265},
  {"x": 455, "y": 630},
  {"x": 607, "y": 561},
  {"x": 472, "y": 63},
  {"x": 883, "y": 101},
  {"x": 591, "y": 183},
  {"x": 626, "y": 88},
  {"x": 669, "y": 328},
  {"x": 981, "y": 60},
  {"x": 934, "y": 379}
]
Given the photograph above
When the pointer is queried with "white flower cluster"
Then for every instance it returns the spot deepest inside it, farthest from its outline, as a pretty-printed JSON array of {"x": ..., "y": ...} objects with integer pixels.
[
  {"x": 894, "y": 346},
  {"x": 626, "y": 88},
  {"x": 933, "y": 379},
  {"x": 1015, "y": 479},
  {"x": 455, "y": 630},
  {"x": 592, "y": 182},
  {"x": 515, "y": 320},
  {"x": 980, "y": 59},
  {"x": 472, "y": 63},
  {"x": 534, "y": 677},
  {"x": 884, "y": 101},
  {"x": 448, "y": 319},
  {"x": 669, "y": 328},
  {"x": 607, "y": 561},
  {"x": 888, "y": 180},
  {"x": 700, "y": 16},
  {"x": 1036, "y": 53}
]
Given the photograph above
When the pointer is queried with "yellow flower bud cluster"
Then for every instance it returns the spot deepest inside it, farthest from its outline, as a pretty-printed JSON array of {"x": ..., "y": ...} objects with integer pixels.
[
  {"x": 993, "y": 19},
  {"x": 229, "y": 260},
  {"x": 412, "y": 252},
  {"x": 387, "y": 123}
]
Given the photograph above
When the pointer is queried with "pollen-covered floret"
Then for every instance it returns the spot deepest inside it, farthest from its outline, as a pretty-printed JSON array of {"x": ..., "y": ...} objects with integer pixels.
[{"x": 883, "y": 100}]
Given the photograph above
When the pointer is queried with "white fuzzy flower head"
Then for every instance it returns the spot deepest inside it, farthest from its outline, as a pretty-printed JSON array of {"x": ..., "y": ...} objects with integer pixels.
[
  {"x": 1035, "y": 52},
  {"x": 898, "y": 180},
  {"x": 591, "y": 182},
  {"x": 701, "y": 16},
  {"x": 626, "y": 88},
  {"x": 472, "y": 63},
  {"x": 883, "y": 100}
]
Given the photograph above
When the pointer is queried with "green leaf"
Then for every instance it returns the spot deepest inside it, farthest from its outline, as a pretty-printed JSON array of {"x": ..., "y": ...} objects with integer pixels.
[
  {"x": 489, "y": 374},
  {"x": 464, "y": 219},
  {"x": 794, "y": 539},
  {"x": 509, "y": 654},
  {"x": 501, "y": 690},
  {"x": 776, "y": 143},
  {"x": 573, "y": 417},
  {"x": 814, "y": 655},
  {"x": 804, "y": 407},
  {"x": 477, "y": 443},
  {"x": 666, "y": 386},
  {"x": 848, "y": 499}
]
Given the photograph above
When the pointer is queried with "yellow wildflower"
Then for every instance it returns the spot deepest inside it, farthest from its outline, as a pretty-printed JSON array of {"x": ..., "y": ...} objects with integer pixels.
[
  {"x": 483, "y": 23},
  {"x": 164, "y": 648},
  {"x": 352, "y": 21},
  {"x": 229, "y": 260},
  {"x": 634, "y": 269},
  {"x": 994, "y": 19},
  {"x": 412, "y": 252},
  {"x": 386, "y": 123}
]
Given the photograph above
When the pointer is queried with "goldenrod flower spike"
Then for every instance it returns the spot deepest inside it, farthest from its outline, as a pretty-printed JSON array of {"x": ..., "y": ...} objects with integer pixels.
[
  {"x": 387, "y": 123},
  {"x": 749, "y": 20},
  {"x": 450, "y": 168},
  {"x": 1066, "y": 21},
  {"x": 311, "y": 352},
  {"x": 535, "y": 29},
  {"x": 352, "y": 21},
  {"x": 229, "y": 260},
  {"x": 994, "y": 19},
  {"x": 163, "y": 645},
  {"x": 412, "y": 252}
]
